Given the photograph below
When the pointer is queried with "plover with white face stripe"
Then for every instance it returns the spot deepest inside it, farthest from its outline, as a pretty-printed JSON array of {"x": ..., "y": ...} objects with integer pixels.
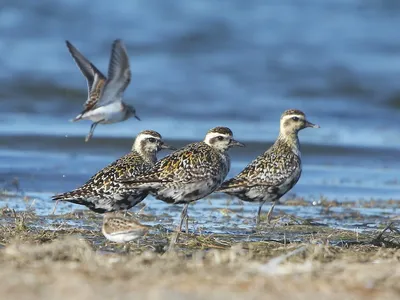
[
  {"x": 104, "y": 104},
  {"x": 190, "y": 173},
  {"x": 274, "y": 173},
  {"x": 102, "y": 192}
]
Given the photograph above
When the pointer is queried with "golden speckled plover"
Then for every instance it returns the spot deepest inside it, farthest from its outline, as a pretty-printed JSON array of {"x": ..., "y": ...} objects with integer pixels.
[
  {"x": 102, "y": 192},
  {"x": 190, "y": 173},
  {"x": 274, "y": 173},
  {"x": 104, "y": 104}
]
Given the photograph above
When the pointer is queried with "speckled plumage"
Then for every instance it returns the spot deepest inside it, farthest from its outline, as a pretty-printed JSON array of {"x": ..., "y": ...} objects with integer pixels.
[
  {"x": 186, "y": 175},
  {"x": 102, "y": 191},
  {"x": 190, "y": 173},
  {"x": 104, "y": 103},
  {"x": 121, "y": 230},
  {"x": 274, "y": 173}
]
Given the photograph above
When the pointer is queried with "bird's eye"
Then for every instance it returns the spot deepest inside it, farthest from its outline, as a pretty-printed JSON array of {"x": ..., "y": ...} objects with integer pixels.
[
  {"x": 152, "y": 140},
  {"x": 295, "y": 119},
  {"x": 220, "y": 138}
]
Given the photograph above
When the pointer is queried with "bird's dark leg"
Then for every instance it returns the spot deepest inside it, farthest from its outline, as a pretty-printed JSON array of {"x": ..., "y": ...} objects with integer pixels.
[
  {"x": 88, "y": 137},
  {"x": 259, "y": 213},
  {"x": 187, "y": 222},
  {"x": 269, "y": 215},
  {"x": 183, "y": 217},
  {"x": 55, "y": 207}
]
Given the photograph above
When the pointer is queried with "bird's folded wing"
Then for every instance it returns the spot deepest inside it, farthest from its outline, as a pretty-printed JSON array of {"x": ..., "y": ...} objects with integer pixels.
[{"x": 187, "y": 165}]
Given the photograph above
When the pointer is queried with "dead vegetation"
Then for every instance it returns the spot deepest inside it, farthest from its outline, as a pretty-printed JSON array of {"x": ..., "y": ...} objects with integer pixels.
[
  {"x": 71, "y": 267},
  {"x": 50, "y": 257}
]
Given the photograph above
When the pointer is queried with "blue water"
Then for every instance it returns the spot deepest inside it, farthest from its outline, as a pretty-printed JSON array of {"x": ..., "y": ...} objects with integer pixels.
[{"x": 199, "y": 64}]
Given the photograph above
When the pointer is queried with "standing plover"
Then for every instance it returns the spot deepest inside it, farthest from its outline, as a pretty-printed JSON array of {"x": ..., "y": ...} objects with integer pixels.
[
  {"x": 190, "y": 173},
  {"x": 119, "y": 229},
  {"x": 104, "y": 104},
  {"x": 274, "y": 173},
  {"x": 102, "y": 192}
]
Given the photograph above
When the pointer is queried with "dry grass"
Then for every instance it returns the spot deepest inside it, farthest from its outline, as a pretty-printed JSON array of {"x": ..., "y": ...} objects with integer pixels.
[
  {"x": 70, "y": 268},
  {"x": 292, "y": 259},
  {"x": 70, "y": 263}
]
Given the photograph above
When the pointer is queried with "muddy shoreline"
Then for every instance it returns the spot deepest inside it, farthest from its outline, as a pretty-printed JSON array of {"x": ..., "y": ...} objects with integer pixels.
[{"x": 47, "y": 257}]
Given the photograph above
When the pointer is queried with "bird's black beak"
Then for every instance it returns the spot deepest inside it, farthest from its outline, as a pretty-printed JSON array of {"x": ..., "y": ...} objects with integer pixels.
[
  {"x": 235, "y": 143},
  {"x": 309, "y": 124},
  {"x": 166, "y": 146},
  {"x": 136, "y": 117}
]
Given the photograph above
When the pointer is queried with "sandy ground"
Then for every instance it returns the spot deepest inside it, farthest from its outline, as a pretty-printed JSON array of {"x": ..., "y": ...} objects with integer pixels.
[
  {"x": 288, "y": 261},
  {"x": 69, "y": 268}
]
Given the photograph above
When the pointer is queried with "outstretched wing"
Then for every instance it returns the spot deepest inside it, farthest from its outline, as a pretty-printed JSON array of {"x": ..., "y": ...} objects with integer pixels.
[
  {"x": 95, "y": 79},
  {"x": 119, "y": 74}
]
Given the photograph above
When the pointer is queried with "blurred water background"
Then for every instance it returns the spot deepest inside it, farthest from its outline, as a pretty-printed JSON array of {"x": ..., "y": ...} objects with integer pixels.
[{"x": 199, "y": 64}]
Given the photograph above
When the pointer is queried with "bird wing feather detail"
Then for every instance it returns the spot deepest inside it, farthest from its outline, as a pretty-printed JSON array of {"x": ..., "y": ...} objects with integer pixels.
[
  {"x": 128, "y": 165},
  {"x": 186, "y": 165},
  {"x": 270, "y": 169},
  {"x": 95, "y": 79},
  {"x": 119, "y": 75}
]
